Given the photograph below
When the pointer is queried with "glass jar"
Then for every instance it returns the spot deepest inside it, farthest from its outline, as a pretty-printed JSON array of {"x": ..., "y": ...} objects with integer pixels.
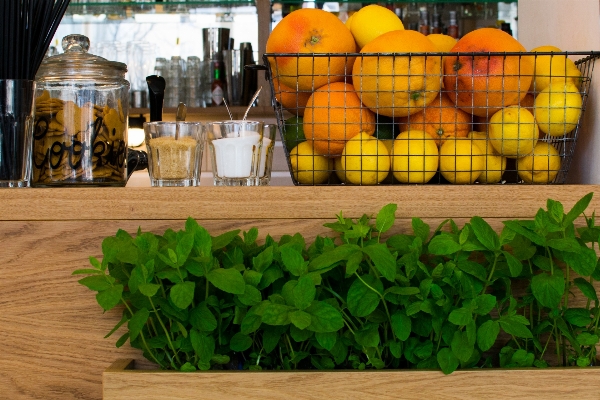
[{"x": 81, "y": 118}]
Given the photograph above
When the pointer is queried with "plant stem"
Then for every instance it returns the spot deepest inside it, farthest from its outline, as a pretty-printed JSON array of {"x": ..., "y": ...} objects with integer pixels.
[
  {"x": 547, "y": 342},
  {"x": 378, "y": 294},
  {"x": 165, "y": 330},
  {"x": 142, "y": 335},
  {"x": 487, "y": 282},
  {"x": 348, "y": 326}
]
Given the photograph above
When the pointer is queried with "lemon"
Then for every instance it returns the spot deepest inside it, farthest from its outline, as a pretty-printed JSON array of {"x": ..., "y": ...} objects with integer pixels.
[
  {"x": 415, "y": 157},
  {"x": 349, "y": 22},
  {"x": 366, "y": 160},
  {"x": 553, "y": 68},
  {"x": 372, "y": 21},
  {"x": 495, "y": 164},
  {"x": 513, "y": 132},
  {"x": 461, "y": 161},
  {"x": 557, "y": 108},
  {"x": 443, "y": 43},
  {"x": 541, "y": 166},
  {"x": 339, "y": 170},
  {"x": 307, "y": 166}
]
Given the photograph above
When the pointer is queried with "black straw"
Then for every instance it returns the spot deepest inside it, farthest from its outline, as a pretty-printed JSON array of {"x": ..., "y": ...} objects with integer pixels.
[{"x": 27, "y": 29}]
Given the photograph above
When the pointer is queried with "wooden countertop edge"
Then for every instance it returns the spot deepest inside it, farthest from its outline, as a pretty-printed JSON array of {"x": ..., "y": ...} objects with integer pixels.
[{"x": 284, "y": 202}]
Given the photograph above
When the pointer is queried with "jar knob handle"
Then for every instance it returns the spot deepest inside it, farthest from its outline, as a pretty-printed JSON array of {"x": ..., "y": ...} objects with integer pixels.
[{"x": 78, "y": 43}]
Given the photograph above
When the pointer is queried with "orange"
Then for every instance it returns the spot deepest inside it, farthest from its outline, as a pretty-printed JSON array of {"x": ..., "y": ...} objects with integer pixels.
[
  {"x": 309, "y": 31},
  {"x": 440, "y": 119},
  {"x": 484, "y": 84},
  {"x": 397, "y": 86},
  {"x": 292, "y": 100},
  {"x": 333, "y": 115}
]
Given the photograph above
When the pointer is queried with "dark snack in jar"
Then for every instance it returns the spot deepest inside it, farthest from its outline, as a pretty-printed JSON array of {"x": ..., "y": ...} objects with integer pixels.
[{"x": 78, "y": 143}]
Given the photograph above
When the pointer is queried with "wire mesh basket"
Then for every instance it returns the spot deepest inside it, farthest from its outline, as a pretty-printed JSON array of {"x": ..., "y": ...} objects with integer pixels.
[{"x": 437, "y": 117}]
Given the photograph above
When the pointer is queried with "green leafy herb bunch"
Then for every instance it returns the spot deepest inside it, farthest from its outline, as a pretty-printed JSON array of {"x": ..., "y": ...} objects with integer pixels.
[{"x": 362, "y": 298}]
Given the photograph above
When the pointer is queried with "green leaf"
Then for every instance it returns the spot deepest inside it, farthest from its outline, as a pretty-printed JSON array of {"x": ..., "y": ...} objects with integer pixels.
[
  {"x": 300, "y": 319},
  {"x": 331, "y": 257},
  {"x": 384, "y": 261},
  {"x": 401, "y": 325},
  {"x": 96, "y": 282},
  {"x": 271, "y": 337},
  {"x": 487, "y": 335},
  {"x": 203, "y": 319},
  {"x": 485, "y": 234},
  {"x": 252, "y": 277},
  {"x": 565, "y": 244},
  {"x": 353, "y": 262},
  {"x": 586, "y": 288},
  {"x": 472, "y": 268},
  {"x": 110, "y": 297},
  {"x": 185, "y": 243},
  {"x": 122, "y": 340},
  {"x": 368, "y": 336},
  {"x": 95, "y": 263},
  {"x": 515, "y": 325},
  {"x": 300, "y": 335},
  {"x": 421, "y": 229},
  {"x": 413, "y": 308},
  {"x": 362, "y": 300},
  {"x": 187, "y": 367},
  {"x": 548, "y": 289},
  {"x": 583, "y": 263},
  {"x": 228, "y": 280},
  {"x": 276, "y": 314},
  {"x": 221, "y": 241},
  {"x": 403, "y": 291},
  {"x": 578, "y": 209},
  {"x": 514, "y": 265},
  {"x": 324, "y": 317},
  {"x": 137, "y": 322},
  {"x": 578, "y": 316},
  {"x": 250, "y": 323},
  {"x": 506, "y": 236},
  {"x": 516, "y": 226},
  {"x": 87, "y": 272},
  {"x": 182, "y": 294},
  {"x": 263, "y": 260},
  {"x": 587, "y": 339},
  {"x": 396, "y": 349},
  {"x": 240, "y": 342},
  {"x": 447, "y": 360},
  {"x": 251, "y": 296},
  {"x": 460, "y": 316},
  {"x": 461, "y": 347},
  {"x": 443, "y": 245},
  {"x": 385, "y": 217},
  {"x": 250, "y": 236},
  {"x": 304, "y": 292},
  {"x": 326, "y": 339},
  {"x": 203, "y": 344},
  {"x": 293, "y": 261},
  {"x": 148, "y": 289},
  {"x": 555, "y": 210},
  {"x": 484, "y": 304}
]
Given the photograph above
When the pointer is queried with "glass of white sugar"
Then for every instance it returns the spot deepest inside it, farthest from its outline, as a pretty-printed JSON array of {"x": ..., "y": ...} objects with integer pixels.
[{"x": 239, "y": 152}]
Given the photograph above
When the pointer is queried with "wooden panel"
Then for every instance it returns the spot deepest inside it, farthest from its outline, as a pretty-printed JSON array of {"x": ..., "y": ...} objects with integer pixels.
[
  {"x": 489, "y": 384},
  {"x": 516, "y": 201}
]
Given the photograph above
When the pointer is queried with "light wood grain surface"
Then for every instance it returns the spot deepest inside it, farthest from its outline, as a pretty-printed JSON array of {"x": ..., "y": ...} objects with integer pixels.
[
  {"x": 51, "y": 328},
  {"x": 489, "y": 384},
  {"x": 301, "y": 202}
]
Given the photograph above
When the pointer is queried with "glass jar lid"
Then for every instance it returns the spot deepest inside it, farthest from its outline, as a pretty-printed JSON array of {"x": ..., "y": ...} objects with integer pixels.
[{"x": 77, "y": 63}]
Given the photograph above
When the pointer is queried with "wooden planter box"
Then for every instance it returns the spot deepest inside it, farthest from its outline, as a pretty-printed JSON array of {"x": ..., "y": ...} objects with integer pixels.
[
  {"x": 52, "y": 330},
  {"x": 121, "y": 381}
]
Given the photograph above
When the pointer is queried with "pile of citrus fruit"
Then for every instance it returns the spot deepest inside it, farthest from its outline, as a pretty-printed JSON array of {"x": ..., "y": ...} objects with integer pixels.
[{"x": 375, "y": 102}]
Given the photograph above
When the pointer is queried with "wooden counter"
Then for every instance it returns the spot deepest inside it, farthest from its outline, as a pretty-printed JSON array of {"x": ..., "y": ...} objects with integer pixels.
[{"x": 52, "y": 330}]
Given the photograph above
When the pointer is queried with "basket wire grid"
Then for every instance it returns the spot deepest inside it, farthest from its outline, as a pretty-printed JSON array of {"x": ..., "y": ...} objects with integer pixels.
[{"x": 391, "y": 93}]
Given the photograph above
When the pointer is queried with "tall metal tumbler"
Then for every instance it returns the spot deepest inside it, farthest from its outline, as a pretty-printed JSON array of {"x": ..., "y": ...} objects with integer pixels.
[{"x": 16, "y": 131}]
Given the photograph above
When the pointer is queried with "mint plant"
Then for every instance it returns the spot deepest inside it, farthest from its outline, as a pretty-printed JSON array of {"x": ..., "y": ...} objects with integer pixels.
[{"x": 361, "y": 299}]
